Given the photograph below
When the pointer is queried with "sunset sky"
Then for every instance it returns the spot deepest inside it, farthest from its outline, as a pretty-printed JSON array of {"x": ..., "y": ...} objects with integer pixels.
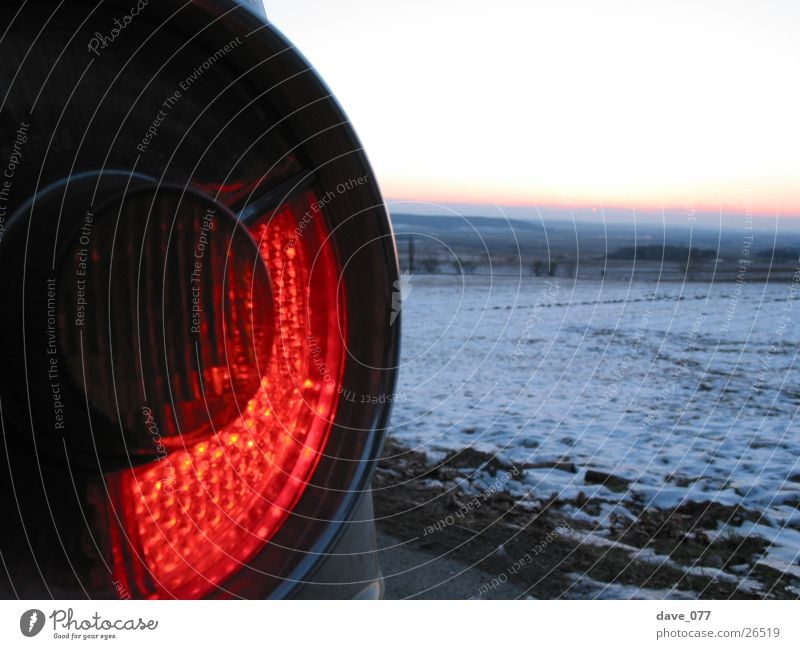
[{"x": 567, "y": 103}]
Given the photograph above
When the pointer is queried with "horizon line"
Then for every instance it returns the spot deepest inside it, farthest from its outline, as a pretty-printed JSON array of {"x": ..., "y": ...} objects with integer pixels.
[{"x": 691, "y": 212}]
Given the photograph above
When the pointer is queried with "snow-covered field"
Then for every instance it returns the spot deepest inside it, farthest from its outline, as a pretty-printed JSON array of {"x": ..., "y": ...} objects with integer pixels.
[{"x": 688, "y": 391}]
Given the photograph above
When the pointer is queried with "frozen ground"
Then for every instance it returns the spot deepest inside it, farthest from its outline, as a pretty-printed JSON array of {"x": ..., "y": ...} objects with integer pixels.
[{"x": 681, "y": 392}]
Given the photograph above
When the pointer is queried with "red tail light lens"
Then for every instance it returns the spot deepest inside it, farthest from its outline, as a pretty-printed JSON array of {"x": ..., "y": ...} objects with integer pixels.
[
  {"x": 192, "y": 518},
  {"x": 170, "y": 287}
]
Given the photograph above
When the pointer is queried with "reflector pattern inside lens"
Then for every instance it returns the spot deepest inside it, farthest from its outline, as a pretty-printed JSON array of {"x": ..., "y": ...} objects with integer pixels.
[
  {"x": 157, "y": 272},
  {"x": 193, "y": 517}
]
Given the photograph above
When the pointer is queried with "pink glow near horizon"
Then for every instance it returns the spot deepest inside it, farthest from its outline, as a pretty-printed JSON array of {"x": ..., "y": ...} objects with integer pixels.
[{"x": 567, "y": 103}]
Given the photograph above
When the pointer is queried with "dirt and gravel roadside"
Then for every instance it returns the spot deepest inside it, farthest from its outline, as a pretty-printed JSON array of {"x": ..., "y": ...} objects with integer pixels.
[{"x": 442, "y": 538}]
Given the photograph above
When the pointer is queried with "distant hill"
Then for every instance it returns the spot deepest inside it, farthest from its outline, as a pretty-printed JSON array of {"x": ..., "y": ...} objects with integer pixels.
[
  {"x": 475, "y": 244},
  {"x": 566, "y": 238},
  {"x": 663, "y": 253},
  {"x": 414, "y": 222},
  {"x": 779, "y": 254}
]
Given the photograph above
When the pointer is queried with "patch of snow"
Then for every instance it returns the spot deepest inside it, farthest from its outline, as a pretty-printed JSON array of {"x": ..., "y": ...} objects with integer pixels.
[
  {"x": 691, "y": 392},
  {"x": 593, "y": 589}
]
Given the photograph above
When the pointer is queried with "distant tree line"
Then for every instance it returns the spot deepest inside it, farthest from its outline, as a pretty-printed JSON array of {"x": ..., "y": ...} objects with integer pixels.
[
  {"x": 420, "y": 259},
  {"x": 470, "y": 264},
  {"x": 540, "y": 268},
  {"x": 779, "y": 254},
  {"x": 663, "y": 253}
]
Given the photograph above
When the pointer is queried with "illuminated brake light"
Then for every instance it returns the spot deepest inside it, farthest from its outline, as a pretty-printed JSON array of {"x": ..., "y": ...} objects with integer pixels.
[
  {"x": 192, "y": 518},
  {"x": 180, "y": 319}
]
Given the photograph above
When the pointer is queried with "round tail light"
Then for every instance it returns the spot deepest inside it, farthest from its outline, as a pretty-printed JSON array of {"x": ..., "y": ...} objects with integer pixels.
[
  {"x": 196, "y": 515},
  {"x": 206, "y": 274}
]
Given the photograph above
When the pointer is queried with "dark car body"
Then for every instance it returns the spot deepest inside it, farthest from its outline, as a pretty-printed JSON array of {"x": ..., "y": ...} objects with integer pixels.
[{"x": 255, "y": 130}]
